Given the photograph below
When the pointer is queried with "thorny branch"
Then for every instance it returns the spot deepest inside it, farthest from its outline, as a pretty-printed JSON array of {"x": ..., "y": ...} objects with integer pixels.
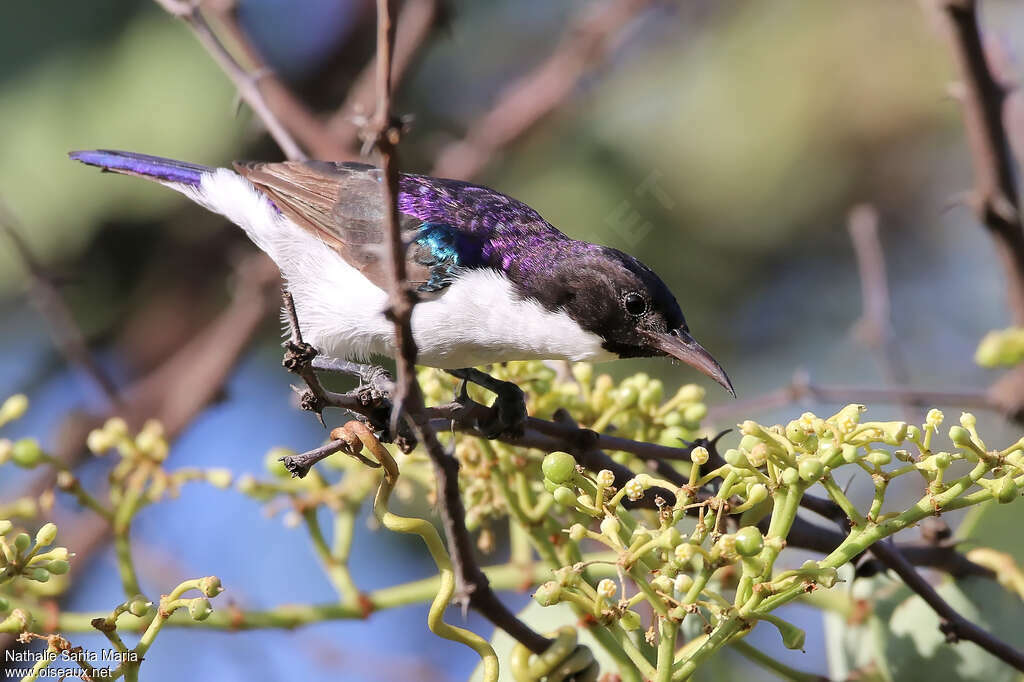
[
  {"x": 994, "y": 198},
  {"x": 472, "y": 583},
  {"x": 246, "y": 83},
  {"x": 526, "y": 102},
  {"x": 952, "y": 624},
  {"x": 67, "y": 335}
]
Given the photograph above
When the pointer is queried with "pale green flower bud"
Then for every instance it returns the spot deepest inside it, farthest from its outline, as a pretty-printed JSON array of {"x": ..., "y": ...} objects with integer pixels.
[
  {"x": 22, "y": 542},
  {"x": 210, "y": 586},
  {"x": 13, "y": 408},
  {"x": 879, "y": 458},
  {"x": 58, "y": 567},
  {"x": 610, "y": 527},
  {"x": 577, "y": 532},
  {"x": 46, "y": 535},
  {"x": 548, "y": 594},
  {"x": 139, "y": 607},
  {"x": 607, "y": 588},
  {"x": 605, "y": 478},
  {"x": 699, "y": 455},
  {"x": 629, "y": 620},
  {"x": 682, "y": 583}
]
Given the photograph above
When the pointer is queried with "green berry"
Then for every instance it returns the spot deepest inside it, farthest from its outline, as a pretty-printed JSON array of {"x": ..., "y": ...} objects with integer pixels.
[
  {"x": 26, "y": 453},
  {"x": 558, "y": 467},
  {"x": 790, "y": 476},
  {"x": 139, "y": 607},
  {"x": 811, "y": 469},
  {"x": 565, "y": 497},
  {"x": 749, "y": 541},
  {"x": 199, "y": 608},
  {"x": 548, "y": 594},
  {"x": 1005, "y": 490}
]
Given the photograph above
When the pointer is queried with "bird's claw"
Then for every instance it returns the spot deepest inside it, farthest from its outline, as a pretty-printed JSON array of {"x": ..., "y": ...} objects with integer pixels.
[
  {"x": 297, "y": 355},
  {"x": 508, "y": 414}
]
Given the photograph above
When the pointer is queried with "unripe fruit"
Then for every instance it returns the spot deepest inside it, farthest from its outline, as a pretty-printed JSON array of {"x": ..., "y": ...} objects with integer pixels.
[
  {"x": 199, "y": 608},
  {"x": 548, "y": 594},
  {"x": 811, "y": 469},
  {"x": 749, "y": 541},
  {"x": 879, "y": 458},
  {"x": 1005, "y": 490},
  {"x": 790, "y": 476},
  {"x": 565, "y": 497},
  {"x": 26, "y": 453},
  {"x": 558, "y": 467},
  {"x": 139, "y": 607}
]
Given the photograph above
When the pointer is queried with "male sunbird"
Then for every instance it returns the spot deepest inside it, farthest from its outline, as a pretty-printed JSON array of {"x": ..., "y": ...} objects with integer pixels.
[{"x": 496, "y": 281}]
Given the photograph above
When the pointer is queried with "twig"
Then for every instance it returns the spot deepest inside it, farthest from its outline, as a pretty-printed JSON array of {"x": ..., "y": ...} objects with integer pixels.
[
  {"x": 472, "y": 583},
  {"x": 66, "y": 333},
  {"x": 800, "y": 389},
  {"x": 416, "y": 22},
  {"x": 952, "y": 624},
  {"x": 526, "y": 102},
  {"x": 246, "y": 83},
  {"x": 311, "y": 131},
  {"x": 874, "y": 328},
  {"x": 994, "y": 197}
]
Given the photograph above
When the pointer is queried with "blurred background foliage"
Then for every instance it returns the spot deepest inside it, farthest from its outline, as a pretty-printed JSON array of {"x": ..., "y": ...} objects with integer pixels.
[{"x": 722, "y": 142}]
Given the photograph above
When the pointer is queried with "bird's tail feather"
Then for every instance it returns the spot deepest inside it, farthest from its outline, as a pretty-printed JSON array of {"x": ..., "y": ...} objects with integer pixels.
[{"x": 156, "y": 168}]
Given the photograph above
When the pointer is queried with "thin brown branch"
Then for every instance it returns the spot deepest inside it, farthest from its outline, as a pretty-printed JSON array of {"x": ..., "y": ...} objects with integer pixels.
[
  {"x": 473, "y": 584},
  {"x": 526, "y": 102},
  {"x": 987, "y": 106},
  {"x": 801, "y": 390},
  {"x": 416, "y": 22},
  {"x": 66, "y": 333},
  {"x": 874, "y": 328},
  {"x": 952, "y": 624},
  {"x": 994, "y": 197},
  {"x": 310, "y": 130},
  {"x": 245, "y": 82}
]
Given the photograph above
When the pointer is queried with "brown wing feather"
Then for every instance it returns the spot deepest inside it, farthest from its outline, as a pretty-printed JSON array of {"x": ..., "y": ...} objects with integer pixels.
[{"x": 339, "y": 203}]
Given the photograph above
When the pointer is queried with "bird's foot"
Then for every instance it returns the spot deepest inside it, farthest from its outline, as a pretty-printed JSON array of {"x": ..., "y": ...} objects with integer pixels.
[
  {"x": 507, "y": 416},
  {"x": 298, "y": 355}
]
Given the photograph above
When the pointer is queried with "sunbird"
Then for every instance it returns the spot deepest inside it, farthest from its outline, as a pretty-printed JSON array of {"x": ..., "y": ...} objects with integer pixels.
[{"x": 496, "y": 282}]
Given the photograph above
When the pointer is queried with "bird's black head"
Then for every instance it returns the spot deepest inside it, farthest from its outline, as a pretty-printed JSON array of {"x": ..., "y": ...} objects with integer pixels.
[{"x": 615, "y": 296}]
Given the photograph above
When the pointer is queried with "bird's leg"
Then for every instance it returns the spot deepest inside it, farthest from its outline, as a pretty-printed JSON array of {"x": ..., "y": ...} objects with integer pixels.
[{"x": 509, "y": 407}]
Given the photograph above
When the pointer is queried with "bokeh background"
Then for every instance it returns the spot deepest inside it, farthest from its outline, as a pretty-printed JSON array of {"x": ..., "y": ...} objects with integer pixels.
[{"x": 722, "y": 142}]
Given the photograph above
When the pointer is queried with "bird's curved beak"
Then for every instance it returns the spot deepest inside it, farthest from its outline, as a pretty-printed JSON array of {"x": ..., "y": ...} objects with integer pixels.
[{"x": 682, "y": 346}]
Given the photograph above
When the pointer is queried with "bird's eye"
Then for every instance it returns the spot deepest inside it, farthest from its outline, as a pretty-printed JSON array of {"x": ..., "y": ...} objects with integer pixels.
[{"x": 635, "y": 304}]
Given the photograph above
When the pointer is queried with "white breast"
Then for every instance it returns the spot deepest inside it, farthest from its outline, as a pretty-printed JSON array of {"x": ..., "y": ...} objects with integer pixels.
[{"x": 477, "y": 320}]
